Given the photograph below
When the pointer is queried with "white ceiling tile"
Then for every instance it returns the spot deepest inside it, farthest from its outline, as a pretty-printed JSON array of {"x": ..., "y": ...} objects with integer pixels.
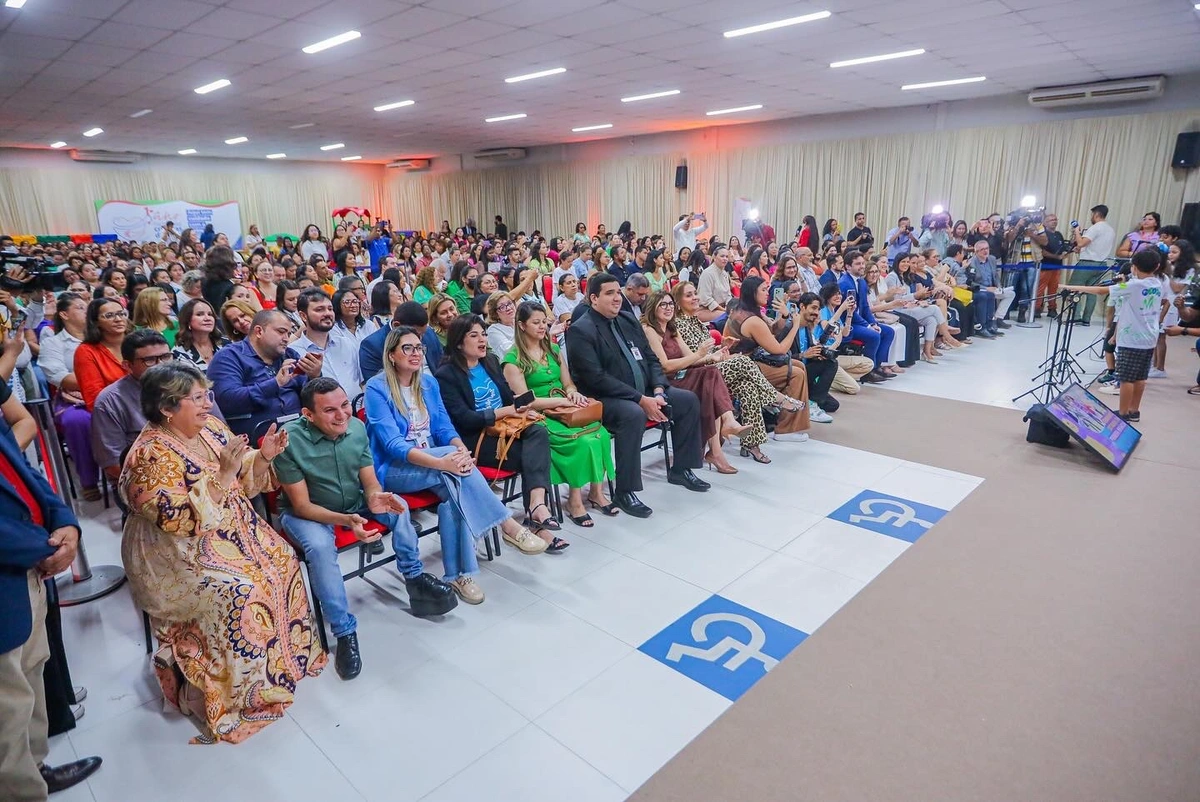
[
  {"x": 417, "y": 22},
  {"x": 233, "y": 24},
  {"x": 116, "y": 34},
  {"x": 38, "y": 22},
  {"x": 172, "y": 15},
  {"x": 91, "y": 9},
  {"x": 357, "y": 15},
  {"x": 153, "y": 64},
  {"x": 83, "y": 53},
  {"x": 16, "y": 46}
]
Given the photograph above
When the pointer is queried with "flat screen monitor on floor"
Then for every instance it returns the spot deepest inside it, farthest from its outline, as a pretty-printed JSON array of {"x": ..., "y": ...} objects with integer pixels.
[{"x": 1094, "y": 425}]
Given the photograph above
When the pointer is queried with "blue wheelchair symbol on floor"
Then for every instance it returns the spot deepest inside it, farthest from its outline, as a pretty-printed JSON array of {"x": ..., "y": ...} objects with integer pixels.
[
  {"x": 888, "y": 515},
  {"x": 723, "y": 646}
]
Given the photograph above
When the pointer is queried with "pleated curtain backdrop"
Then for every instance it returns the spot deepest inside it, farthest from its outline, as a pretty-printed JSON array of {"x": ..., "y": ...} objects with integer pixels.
[{"x": 1070, "y": 165}]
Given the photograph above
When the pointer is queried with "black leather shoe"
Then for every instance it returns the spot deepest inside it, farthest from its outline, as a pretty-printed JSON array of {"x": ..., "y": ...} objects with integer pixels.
[
  {"x": 686, "y": 478},
  {"x": 1021, "y": 315},
  {"x": 1004, "y": 324},
  {"x": 348, "y": 661},
  {"x": 377, "y": 547},
  {"x": 428, "y": 595},
  {"x": 985, "y": 334},
  {"x": 874, "y": 377},
  {"x": 632, "y": 505},
  {"x": 60, "y": 778}
]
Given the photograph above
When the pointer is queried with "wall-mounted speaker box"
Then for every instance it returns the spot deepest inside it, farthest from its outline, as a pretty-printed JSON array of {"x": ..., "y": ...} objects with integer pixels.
[
  {"x": 681, "y": 177},
  {"x": 1187, "y": 150}
]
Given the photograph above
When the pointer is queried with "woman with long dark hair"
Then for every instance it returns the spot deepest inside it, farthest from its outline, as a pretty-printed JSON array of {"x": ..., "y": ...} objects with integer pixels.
[
  {"x": 807, "y": 235},
  {"x": 199, "y": 338}
]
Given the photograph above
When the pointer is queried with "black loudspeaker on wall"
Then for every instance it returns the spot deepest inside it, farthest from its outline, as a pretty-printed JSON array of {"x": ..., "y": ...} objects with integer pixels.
[
  {"x": 1187, "y": 150},
  {"x": 1190, "y": 221},
  {"x": 681, "y": 177}
]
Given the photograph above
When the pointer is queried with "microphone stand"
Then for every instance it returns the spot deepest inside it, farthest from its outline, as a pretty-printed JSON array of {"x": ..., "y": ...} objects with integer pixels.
[{"x": 1060, "y": 369}]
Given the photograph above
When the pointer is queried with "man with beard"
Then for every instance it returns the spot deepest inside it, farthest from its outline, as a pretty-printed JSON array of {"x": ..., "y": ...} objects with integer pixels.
[{"x": 337, "y": 349}]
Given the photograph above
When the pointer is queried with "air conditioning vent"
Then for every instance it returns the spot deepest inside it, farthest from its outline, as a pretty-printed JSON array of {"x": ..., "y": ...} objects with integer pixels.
[
  {"x": 105, "y": 156},
  {"x": 1122, "y": 91},
  {"x": 500, "y": 155},
  {"x": 412, "y": 165}
]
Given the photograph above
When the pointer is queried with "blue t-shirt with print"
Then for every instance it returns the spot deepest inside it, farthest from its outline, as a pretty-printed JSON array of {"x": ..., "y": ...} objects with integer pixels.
[{"x": 487, "y": 394}]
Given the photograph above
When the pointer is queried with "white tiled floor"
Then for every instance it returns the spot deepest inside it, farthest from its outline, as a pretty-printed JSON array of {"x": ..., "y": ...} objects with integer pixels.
[{"x": 540, "y": 692}]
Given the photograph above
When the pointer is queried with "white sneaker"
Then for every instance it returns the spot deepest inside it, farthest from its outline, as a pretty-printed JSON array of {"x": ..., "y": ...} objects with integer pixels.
[
  {"x": 818, "y": 415},
  {"x": 1155, "y": 373},
  {"x": 790, "y": 437},
  {"x": 1110, "y": 389}
]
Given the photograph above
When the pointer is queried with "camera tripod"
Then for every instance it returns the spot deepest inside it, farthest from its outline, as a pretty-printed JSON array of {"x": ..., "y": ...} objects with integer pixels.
[{"x": 1061, "y": 369}]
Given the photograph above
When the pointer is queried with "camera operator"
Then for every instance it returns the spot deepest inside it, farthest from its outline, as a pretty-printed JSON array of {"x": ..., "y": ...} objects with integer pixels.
[
  {"x": 820, "y": 362},
  {"x": 936, "y": 233},
  {"x": 1024, "y": 229},
  {"x": 860, "y": 236},
  {"x": 900, "y": 240},
  {"x": 1054, "y": 250}
]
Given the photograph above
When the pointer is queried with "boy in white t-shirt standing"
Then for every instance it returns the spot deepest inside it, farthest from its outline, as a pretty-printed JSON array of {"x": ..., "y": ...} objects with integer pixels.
[{"x": 1140, "y": 309}]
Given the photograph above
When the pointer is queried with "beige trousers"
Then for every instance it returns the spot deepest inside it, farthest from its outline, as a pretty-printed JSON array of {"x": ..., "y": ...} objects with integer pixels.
[
  {"x": 23, "y": 725},
  {"x": 850, "y": 368}
]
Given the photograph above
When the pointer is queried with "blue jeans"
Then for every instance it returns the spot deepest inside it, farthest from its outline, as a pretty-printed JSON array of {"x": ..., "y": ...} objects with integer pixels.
[
  {"x": 1023, "y": 280},
  {"x": 469, "y": 509},
  {"x": 877, "y": 345},
  {"x": 325, "y": 574}
]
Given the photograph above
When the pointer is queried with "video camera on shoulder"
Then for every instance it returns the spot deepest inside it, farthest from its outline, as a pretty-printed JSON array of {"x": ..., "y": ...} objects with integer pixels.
[
  {"x": 43, "y": 274},
  {"x": 1033, "y": 215}
]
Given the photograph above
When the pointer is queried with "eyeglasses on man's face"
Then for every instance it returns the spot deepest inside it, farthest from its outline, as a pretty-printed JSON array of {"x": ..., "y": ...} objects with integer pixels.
[{"x": 153, "y": 359}]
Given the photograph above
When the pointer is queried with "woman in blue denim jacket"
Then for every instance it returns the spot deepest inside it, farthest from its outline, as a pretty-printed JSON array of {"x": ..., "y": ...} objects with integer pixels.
[{"x": 415, "y": 447}]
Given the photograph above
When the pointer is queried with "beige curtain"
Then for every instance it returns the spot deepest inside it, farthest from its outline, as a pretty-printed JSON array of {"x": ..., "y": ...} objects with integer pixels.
[{"x": 1069, "y": 165}]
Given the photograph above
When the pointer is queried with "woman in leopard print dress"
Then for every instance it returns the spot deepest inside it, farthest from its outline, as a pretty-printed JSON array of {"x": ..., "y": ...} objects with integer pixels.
[{"x": 746, "y": 382}]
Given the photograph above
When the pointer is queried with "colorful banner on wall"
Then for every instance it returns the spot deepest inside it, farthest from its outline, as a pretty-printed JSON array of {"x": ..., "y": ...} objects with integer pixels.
[{"x": 143, "y": 221}]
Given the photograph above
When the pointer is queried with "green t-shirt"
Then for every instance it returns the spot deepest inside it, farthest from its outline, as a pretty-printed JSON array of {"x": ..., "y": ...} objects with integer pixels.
[{"x": 328, "y": 467}]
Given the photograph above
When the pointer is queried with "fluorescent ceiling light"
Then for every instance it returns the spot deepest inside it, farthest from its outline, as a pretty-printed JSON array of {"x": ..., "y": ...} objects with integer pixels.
[
  {"x": 276, "y": 155},
  {"x": 505, "y": 117},
  {"x": 399, "y": 104},
  {"x": 14, "y": 3},
  {"x": 57, "y": 145},
  {"x": 581, "y": 129},
  {"x": 334, "y": 146},
  {"x": 783, "y": 23},
  {"x": 141, "y": 113},
  {"x": 214, "y": 86},
  {"x": 186, "y": 151},
  {"x": 333, "y": 41},
  {"x": 872, "y": 59},
  {"x": 755, "y": 107},
  {"x": 516, "y": 79},
  {"x": 351, "y": 158},
  {"x": 94, "y": 131},
  {"x": 237, "y": 140},
  {"x": 650, "y": 96},
  {"x": 301, "y": 125},
  {"x": 953, "y": 82}
]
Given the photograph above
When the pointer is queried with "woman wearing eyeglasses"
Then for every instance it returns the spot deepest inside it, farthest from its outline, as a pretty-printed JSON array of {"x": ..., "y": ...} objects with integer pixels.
[
  {"x": 98, "y": 358},
  {"x": 415, "y": 447},
  {"x": 501, "y": 319},
  {"x": 222, "y": 589}
]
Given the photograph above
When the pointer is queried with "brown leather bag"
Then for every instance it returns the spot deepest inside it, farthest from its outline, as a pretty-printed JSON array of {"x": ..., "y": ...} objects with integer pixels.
[
  {"x": 576, "y": 417},
  {"x": 506, "y": 431}
]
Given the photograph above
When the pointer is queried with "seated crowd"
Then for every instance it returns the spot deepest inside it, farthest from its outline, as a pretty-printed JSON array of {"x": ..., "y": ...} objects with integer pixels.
[{"x": 359, "y": 374}]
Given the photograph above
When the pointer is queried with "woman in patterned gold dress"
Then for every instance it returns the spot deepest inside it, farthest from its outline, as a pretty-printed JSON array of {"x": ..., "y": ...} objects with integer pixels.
[{"x": 222, "y": 589}]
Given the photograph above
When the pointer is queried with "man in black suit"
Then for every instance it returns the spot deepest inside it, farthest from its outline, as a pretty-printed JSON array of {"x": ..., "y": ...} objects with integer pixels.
[{"x": 611, "y": 360}]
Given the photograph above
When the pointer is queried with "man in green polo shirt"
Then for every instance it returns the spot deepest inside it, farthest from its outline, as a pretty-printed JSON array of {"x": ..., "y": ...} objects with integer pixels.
[{"x": 329, "y": 480}]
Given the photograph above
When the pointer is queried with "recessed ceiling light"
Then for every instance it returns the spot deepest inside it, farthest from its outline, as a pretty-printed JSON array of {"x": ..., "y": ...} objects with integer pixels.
[
  {"x": 351, "y": 158},
  {"x": 650, "y": 96},
  {"x": 872, "y": 59},
  {"x": 57, "y": 145},
  {"x": 505, "y": 117},
  {"x": 516, "y": 79},
  {"x": 333, "y": 41},
  {"x": 94, "y": 131},
  {"x": 186, "y": 151},
  {"x": 783, "y": 23},
  {"x": 237, "y": 140},
  {"x": 755, "y": 107},
  {"x": 141, "y": 113},
  {"x": 276, "y": 155},
  {"x": 301, "y": 125},
  {"x": 583, "y": 128},
  {"x": 334, "y": 146},
  {"x": 953, "y": 82},
  {"x": 14, "y": 3},
  {"x": 214, "y": 86},
  {"x": 399, "y": 104}
]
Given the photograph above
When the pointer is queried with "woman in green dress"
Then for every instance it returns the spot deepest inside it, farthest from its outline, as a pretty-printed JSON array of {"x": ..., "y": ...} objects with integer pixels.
[{"x": 580, "y": 456}]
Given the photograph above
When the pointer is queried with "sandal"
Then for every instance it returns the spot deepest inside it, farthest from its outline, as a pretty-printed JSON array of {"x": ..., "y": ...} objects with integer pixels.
[
  {"x": 584, "y": 520},
  {"x": 556, "y": 545},
  {"x": 756, "y": 455},
  {"x": 548, "y": 525},
  {"x": 609, "y": 509}
]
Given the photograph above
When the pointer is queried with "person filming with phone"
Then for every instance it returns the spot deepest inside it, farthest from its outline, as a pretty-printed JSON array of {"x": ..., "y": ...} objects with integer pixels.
[{"x": 685, "y": 233}]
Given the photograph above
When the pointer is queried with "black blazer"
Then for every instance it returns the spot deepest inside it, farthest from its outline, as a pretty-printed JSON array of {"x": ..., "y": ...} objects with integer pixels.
[
  {"x": 459, "y": 398},
  {"x": 599, "y": 368}
]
